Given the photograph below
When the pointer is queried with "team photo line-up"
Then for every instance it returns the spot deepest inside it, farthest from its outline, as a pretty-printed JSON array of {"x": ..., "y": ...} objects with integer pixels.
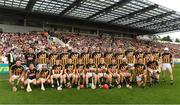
[{"x": 97, "y": 69}]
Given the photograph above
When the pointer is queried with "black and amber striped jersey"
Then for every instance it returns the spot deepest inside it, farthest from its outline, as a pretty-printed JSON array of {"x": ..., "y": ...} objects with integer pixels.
[
  {"x": 153, "y": 65},
  {"x": 102, "y": 68},
  {"x": 112, "y": 68},
  {"x": 53, "y": 57},
  {"x": 69, "y": 68},
  {"x": 89, "y": 66},
  {"x": 108, "y": 57},
  {"x": 123, "y": 67},
  {"x": 130, "y": 56},
  {"x": 74, "y": 56},
  {"x": 147, "y": 56},
  {"x": 44, "y": 73},
  {"x": 57, "y": 69},
  {"x": 166, "y": 58},
  {"x": 96, "y": 56},
  {"x": 64, "y": 55},
  {"x": 138, "y": 55},
  {"x": 17, "y": 70},
  {"x": 85, "y": 56},
  {"x": 140, "y": 68},
  {"x": 42, "y": 57},
  {"x": 64, "y": 58},
  {"x": 80, "y": 67},
  {"x": 119, "y": 57},
  {"x": 156, "y": 55}
]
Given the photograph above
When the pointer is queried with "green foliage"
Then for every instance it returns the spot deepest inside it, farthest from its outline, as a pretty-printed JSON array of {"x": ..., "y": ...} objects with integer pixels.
[
  {"x": 167, "y": 38},
  {"x": 177, "y": 40}
]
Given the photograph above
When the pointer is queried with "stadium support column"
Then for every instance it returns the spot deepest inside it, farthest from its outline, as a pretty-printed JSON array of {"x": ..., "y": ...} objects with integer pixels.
[
  {"x": 43, "y": 25},
  {"x": 25, "y": 24},
  {"x": 72, "y": 30},
  {"x": 97, "y": 32},
  {"x": 121, "y": 35}
]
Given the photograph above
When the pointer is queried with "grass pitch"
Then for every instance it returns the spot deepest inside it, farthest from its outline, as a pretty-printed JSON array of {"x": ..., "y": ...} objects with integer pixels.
[{"x": 163, "y": 93}]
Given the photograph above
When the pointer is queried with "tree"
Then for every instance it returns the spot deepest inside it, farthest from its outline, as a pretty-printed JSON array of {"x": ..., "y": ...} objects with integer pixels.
[
  {"x": 177, "y": 40},
  {"x": 167, "y": 38}
]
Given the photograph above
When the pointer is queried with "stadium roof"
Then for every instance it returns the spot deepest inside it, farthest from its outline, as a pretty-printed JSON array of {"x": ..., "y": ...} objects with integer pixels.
[{"x": 142, "y": 15}]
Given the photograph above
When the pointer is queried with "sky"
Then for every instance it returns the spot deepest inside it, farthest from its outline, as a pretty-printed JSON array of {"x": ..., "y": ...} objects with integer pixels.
[{"x": 171, "y": 4}]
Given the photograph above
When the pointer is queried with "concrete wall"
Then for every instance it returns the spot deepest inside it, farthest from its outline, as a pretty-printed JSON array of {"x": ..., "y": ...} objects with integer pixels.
[{"x": 16, "y": 28}]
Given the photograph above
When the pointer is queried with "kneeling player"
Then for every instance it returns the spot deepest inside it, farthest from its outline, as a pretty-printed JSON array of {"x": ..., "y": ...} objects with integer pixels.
[
  {"x": 102, "y": 70},
  {"x": 57, "y": 73},
  {"x": 31, "y": 77},
  {"x": 91, "y": 73},
  {"x": 44, "y": 77},
  {"x": 16, "y": 73},
  {"x": 125, "y": 75},
  {"x": 141, "y": 73},
  {"x": 113, "y": 73},
  {"x": 69, "y": 74},
  {"x": 152, "y": 67}
]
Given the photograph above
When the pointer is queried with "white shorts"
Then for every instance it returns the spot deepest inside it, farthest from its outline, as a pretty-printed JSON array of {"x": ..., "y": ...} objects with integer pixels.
[
  {"x": 56, "y": 75},
  {"x": 15, "y": 76},
  {"x": 102, "y": 74},
  {"x": 131, "y": 64},
  {"x": 31, "y": 80},
  {"x": 166, "y": 66},
  {"x": 69, "y": 75},
  {"x": 39, "y": 66},
  {"x": 81, "y": 74},
  {"x": 90, "y": 74},
  {"x": 50, "y": 67},
  {"x": 138, "y": 78},
  {"x": 114, "y": 75}
]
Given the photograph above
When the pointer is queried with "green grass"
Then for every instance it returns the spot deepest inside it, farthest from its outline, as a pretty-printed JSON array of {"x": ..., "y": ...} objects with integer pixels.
[{"x": 164, "y": 93}]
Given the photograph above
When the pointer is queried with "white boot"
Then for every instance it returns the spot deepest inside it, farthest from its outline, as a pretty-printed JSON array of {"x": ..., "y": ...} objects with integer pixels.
[
  {"x": 14, "y": 89},
  {"x": 28, "y": 89},
  {"x": 42, "y": 87}
]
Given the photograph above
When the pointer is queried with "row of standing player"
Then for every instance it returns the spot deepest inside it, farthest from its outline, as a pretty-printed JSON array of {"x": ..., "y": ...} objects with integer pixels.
[{"x": 50, "y": 58}]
